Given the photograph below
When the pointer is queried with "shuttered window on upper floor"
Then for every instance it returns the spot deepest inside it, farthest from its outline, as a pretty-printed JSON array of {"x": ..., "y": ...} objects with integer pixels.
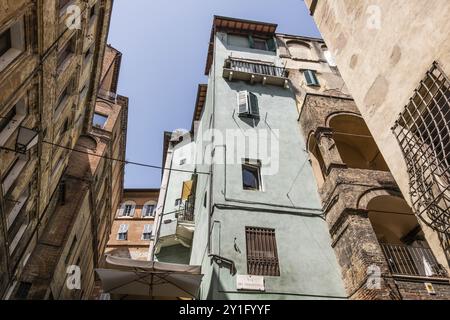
[{"x": 248, "y": 104}]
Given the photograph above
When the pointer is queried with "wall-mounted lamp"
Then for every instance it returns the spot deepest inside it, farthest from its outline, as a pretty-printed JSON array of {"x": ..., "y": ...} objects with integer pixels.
[{"x": 26, "y": 139}]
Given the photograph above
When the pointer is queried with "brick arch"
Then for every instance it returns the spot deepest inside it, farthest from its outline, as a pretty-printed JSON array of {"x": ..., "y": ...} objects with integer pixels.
[
  {"x": 89, "y": 141},
  {"x": 367, "y": 196}
]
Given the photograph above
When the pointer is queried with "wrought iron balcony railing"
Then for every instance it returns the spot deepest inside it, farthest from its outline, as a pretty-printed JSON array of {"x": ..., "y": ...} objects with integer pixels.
[
  {"x": 255, "y": 72},
  {"x": 186, "y": 214},
  {"x": 412, "y": 261}
]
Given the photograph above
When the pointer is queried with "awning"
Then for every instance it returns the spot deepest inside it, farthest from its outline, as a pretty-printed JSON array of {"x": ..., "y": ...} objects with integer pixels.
[{"x": 127, "y": 277}]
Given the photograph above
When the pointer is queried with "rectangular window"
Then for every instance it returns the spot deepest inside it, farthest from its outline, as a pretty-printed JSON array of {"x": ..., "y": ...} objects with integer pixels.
[
  {"x": 5, "y": 42},
  {"x": 93, "y": 11},
  {"x": 310, "y": 77},
  {"x": 122, "y": 234},
  {"x": 12, "y": 43},
  {"x": 260, "y": 44},
  {"x": 423, "y": 133},
  {"x": 64, "y": 97},
  {"x": 251, "y": 175},
  {"x": 148, "y": 210},
  {"x": 147, "y": 233},
  {"x": 65, "y": 53},
  {"x": 7, "y": 119},
  {"x": 10, "y": 122},
  {"x": 99, "y": 120},
  {"x": 262, "y": 255},
  {"x": 248, "y": 104}
]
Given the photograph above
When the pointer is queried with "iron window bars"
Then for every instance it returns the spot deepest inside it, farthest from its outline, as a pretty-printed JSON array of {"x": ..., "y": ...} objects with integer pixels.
[
  {"x": 423, "y": 132},
  {"x": 262, "y": 255}
]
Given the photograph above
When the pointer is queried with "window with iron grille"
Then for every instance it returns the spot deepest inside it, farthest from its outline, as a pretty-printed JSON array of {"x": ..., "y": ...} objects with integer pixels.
[
  {"x": 262, "y": 255},
  {"x": 423, "y": 132}
]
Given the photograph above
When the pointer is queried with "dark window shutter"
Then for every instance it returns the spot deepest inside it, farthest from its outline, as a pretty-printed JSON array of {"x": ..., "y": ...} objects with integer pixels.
[{"x": 254, "y": 108}]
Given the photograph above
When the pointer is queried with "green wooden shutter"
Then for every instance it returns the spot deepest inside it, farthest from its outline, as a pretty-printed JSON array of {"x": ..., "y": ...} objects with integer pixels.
[
  {"x": 271, "y": 45},
  {"x": 251, "y": 42},
  {"x": 311, "y": 79}
]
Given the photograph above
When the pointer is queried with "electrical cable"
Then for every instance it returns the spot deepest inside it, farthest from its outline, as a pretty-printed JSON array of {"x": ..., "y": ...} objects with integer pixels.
[{"x": 123, "y": 161}]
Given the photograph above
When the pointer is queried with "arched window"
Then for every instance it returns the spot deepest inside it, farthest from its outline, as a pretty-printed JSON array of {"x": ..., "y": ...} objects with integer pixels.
[
  {"x": 355, "y": 143},
  {"x": 148, "y": 210},
  {"x": 127, "y": 209}
]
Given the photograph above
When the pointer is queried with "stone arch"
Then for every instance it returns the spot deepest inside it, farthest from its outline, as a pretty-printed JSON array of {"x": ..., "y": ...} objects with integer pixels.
[
  {"x": 355, "y": 143},
  {"x": 299, "y": 49},
  {"x": 317, "y": 162},
  {"x": 365, "y": 198},
  {"x": 88, "y": 142}
]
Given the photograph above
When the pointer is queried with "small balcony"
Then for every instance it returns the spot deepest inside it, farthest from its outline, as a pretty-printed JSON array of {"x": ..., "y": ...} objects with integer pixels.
[
  {"x": 412, "y": 261},
  {"x": 186, "y": 214},
  {"x": 254, "y": 72}
]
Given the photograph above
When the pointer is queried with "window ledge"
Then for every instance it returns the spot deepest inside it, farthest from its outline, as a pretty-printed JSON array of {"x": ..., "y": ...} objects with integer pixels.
[
  {"x": 15, "y": 211},
  {"x": 17, "y": 238},
  {"x": 9, "y": 57},
  {"x": 10, "y": 129},
  {"x": 12, "y": 177}
]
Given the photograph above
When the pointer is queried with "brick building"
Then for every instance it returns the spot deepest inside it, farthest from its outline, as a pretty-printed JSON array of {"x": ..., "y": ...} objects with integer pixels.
[
  {"x": 53, "y": 209},
  {"x": 133, "y": 225}
]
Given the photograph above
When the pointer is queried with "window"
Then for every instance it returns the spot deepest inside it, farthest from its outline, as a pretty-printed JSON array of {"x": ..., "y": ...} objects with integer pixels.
[
  {"x": 251, "y": 175},
  {"x": 248, "y": 104},
  {"x": 12, "y": 43},
  {"x": 122, "y": 234},
  {"x": 311, "y": 79},
  {"x": 262, "y": 256},
  {"x": 93, "y": 12},
  {"x": 99, "y": 120},
  {"x": 147, "y": 233},
  {"x": 127, "y": 210},
  {"x": 13, "y": 173},
  {"x": 423, "y": 133},
  {"x": 5, "y": 42},
  {"x": 148, "y": 210},
  {"x": 65, "y": 53},
  {"x": 259, "y": 44},
  {"x": 178, "y": 202},
  {"x": 63, "y": 97},
  {"x": 12, "y": 120},
  {"x": 89, "y": 53},
  {"x": 265, "y": 44}
]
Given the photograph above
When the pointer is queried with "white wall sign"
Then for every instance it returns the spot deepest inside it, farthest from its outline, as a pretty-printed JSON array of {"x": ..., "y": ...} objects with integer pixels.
[{"x": 247, "y": 282}]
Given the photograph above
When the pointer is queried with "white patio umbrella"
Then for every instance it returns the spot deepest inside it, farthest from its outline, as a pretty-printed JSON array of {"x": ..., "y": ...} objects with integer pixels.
[{"x": 149, "y": 279}]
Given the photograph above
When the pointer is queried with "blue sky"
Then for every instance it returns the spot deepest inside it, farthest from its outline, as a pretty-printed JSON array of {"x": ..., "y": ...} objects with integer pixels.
[{"x": 164, "y": 45}]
